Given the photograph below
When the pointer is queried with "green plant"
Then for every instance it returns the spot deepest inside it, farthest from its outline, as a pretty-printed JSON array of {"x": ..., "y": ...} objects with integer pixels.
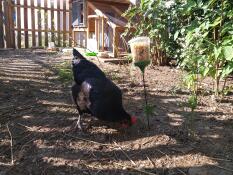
[
  {"x": 159, "y": 20},
  {"x": 129, "y": 58},
  {"x": 199, "y": 33},
  {"x": 207, "y": 40},
  {"x": 192, "y": 103},
  {"x": 148, "y": 110},
  {"x": 64, "y": 72}
]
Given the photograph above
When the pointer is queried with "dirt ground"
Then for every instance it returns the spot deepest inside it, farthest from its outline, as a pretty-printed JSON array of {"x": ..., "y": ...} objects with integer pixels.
[{"x": 36, "y": 110}]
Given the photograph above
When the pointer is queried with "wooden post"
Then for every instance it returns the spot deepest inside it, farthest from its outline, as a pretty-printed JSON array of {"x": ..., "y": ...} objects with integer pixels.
[
  {"x": 33, "y": 23},
  {"x": 52, "y": 22},
  {"x": 73, "y": 36},
  {"x": 70, "y": 24},
  {"x": 97, "y": 31},
  {"x": 86, "y": 22},
  {"x": 87, "y": 33},
  {"x": 64, "y": 23},
  {"x": 18, "y": 25},
  {"x": 58, "y": 23},
  {"x": 46, "y": 22},
  {"x": 1, "y": 27},
  {"x": 39, "y": 23},
  {"x": 115, "y": 42},
  {"x": 26, "y": 24},
  {"x": 102, "y": 33}
]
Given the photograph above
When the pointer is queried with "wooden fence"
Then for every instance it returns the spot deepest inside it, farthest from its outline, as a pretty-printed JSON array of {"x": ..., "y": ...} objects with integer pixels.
[{"x": 33, "y": 23}]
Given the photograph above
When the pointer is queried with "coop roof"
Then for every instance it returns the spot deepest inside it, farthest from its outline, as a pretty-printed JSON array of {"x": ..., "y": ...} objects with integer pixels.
[{"x": 113, "y": 21}]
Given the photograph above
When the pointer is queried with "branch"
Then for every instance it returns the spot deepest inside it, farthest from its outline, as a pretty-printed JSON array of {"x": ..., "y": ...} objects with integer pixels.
[
  {"x": 226, "y": 169},
  {"x": 125, "y": 154},
  {"x": 12, "y": 155}
]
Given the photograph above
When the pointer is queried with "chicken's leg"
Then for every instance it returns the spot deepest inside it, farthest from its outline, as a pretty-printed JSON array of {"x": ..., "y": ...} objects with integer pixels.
[{"x": 78, "y": 124}]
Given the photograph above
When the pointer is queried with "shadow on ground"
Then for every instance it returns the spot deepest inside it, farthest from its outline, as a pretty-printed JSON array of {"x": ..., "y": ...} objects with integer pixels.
[{"x": 39, "y": 112}]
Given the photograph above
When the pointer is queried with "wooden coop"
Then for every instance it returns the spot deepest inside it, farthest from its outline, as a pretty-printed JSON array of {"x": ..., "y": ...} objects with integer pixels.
[
  {"x": 93, "y": 24},
  {"x": 98, "y": 24}
]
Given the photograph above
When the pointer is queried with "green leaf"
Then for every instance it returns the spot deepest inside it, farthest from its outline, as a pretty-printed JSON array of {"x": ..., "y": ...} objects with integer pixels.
[
  {"x": 228, "y": 52},
  {"x": 176, "y": 35},
  {"x": 206, "y": 71},
  {"x": 217, "y": 52},
  {"x": 227, "y": 70}
]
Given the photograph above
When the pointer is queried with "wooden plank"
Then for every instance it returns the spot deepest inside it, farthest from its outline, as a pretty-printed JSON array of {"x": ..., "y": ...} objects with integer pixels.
[
  {"x": 26, "y": 24},
  {"x": 115, "y": 60},
  {"x": 97, "y": 32},
  {"x": 39, "y": 22},
  {"x": 58, "y": 23},
  {"x": 114, "y": 1},
  {"x": 1, "y": 27},
  {"x": 92, "y": 16},
  {"x": 41, "y": 30},
  {"x": 85, "y": 13},
  {"x": 87, "y": 21},
  {"x": 64, "y": 24},
  {"x": 52, "y": 21},
  {"x": 117, "y": 10},
  {"x": 102, "y": 33},
  {"x": 33, "y": 23},
  {"x": 18, "y": 26},
  {"x": 80, "y": 29},
  {"x": 73, "y": 36},
  {"x": 46, "y": 22},
  {"x": 6, "y": 22},
  {"x": 40, "y": 8},
  {"x": 70, "y": 24},
  {"x": 11, "y": 20},
  {"x": 115, "y": 42},
  {"x": 96, "y": 10}
]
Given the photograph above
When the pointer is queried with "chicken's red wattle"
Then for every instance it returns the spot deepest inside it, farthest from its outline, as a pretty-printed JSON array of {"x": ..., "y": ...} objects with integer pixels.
[{"x": 133, "y": 120}]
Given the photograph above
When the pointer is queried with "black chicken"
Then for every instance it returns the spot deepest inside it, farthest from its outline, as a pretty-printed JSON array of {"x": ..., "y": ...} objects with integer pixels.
[{"x": 97, "y": 95}]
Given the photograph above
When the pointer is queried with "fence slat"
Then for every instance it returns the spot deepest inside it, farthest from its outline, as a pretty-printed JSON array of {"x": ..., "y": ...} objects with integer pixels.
[
  {"x": 58, "y": 23},
  {"x": 46, "y": 22},
  {"x": 1, "y": 27},
  {"x": 26, "y": 24},
  {"x": 52, "y": 21},
  {"x": 18, "y": 26},
  {"x": 39, "y": 22},
  {"x": 6, "y": 24},
  {"x": 33, "y": 23},
  {"x": 64, "y": 24},
  {"x": 11, "y": 20},
  {"x": 70, "y": 24}
]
